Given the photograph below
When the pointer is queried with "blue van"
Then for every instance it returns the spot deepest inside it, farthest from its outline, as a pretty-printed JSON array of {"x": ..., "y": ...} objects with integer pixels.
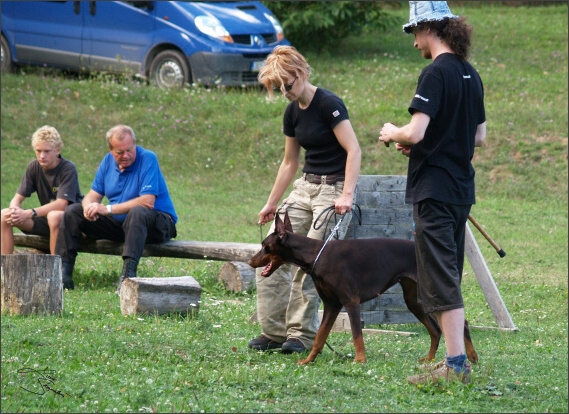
[{"x": 171, "y": 43}]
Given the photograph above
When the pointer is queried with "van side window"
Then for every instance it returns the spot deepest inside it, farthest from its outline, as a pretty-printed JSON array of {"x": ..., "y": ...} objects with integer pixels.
[{"x": 148, "y": 5}]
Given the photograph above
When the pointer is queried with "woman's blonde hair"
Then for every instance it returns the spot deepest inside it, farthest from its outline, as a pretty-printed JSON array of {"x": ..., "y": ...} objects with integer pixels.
[
  {"x": 47, "y": 134},
  {"x": 283, "y": 62}
]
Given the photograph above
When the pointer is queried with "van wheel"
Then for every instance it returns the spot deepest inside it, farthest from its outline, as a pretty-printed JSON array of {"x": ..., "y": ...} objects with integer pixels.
[
  {"x": 6, "y": 56},
  {"x": 169, "y": 69}
]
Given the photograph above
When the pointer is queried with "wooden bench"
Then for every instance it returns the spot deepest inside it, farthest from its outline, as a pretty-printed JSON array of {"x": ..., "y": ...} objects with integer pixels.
[
  {"x": 236, "y": 274},
  {"x": 223, "y": 251}
]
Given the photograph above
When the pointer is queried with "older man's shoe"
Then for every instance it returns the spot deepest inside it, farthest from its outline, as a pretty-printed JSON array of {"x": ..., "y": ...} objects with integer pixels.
[
  {"x": 128, "y": 272},
  {"x": 67, "y": 275}
]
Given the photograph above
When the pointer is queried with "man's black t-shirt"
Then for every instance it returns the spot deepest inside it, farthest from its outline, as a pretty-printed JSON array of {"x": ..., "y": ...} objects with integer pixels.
[{"x": 450, "y": 91}]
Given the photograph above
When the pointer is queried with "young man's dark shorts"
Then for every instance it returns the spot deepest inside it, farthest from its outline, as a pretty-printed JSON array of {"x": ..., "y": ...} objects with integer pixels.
[
  {"x": 41, "y": 228},
  {"x": 439, "y": 244}
]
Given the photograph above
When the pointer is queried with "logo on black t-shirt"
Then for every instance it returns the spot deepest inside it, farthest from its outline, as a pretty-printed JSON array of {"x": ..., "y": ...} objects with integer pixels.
[{"x": 421, "y": 97}]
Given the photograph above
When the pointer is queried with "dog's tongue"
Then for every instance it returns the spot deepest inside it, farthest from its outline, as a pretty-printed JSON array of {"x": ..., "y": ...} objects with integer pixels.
[{"x": 266, "y": 269}]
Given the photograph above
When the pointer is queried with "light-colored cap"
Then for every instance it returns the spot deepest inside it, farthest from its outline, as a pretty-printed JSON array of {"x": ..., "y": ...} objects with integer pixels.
[{"x": 427, "y": 11}]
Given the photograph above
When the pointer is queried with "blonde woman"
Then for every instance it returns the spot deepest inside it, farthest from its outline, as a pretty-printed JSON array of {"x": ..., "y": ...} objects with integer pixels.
[{"x": 317, "y": 121}]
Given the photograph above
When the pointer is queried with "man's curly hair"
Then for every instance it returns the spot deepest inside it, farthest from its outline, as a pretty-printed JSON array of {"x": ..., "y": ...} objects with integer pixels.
[{"x": 456, "y": 33}]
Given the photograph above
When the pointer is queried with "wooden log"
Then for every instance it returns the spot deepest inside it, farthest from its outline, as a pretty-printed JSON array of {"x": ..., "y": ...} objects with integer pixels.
[
  {"x": 29, "y": 251},
  {"x": 224, "y": 251},
  {"x": 237, "y": 276},
  {"x": 31, "y": 283},
  {"x": 160, "y": 295}
]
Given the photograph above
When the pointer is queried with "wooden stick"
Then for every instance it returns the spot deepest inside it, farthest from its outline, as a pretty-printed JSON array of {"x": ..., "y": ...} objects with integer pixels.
[{"x": 498, "y": 249}]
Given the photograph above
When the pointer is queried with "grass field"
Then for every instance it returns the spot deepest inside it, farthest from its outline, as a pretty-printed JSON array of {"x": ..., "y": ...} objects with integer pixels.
[{"x": 220, "y": 149}]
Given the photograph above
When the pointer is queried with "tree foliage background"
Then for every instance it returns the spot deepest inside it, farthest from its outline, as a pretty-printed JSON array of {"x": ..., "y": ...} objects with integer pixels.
[{"x": 320, "y": 25}]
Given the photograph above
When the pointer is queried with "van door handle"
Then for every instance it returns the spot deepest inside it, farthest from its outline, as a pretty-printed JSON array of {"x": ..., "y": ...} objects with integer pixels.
[
  {"x": 92, "y": 8},
  {"x": 77, "y": 7}
]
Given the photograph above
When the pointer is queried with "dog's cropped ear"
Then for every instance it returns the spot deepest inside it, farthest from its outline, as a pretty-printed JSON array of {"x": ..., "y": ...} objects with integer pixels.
[
  {"x": 280, "y": 226},
  {"x": 287, "y": 224}
]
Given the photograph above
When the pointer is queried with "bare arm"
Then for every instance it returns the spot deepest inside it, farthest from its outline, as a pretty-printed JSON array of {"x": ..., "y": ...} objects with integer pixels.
[
  {"x": 56, "y": 205},
  {"x": 146, "y": 200},
  {"x": 285, "y": 175},
  {"x": 17, "y": 200},
  {"x": 348, "y": 140},
  {"x": 19, "y": 215},
  {"x": 92, "y": 207},
  {"x": 410, "y": 134},
  {"x": 480, "y": 136},
  {"x": 16, "y": 215}
]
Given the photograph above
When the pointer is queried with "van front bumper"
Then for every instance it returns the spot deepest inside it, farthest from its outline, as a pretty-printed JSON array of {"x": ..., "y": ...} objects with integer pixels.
[{"x": 226, "y": 69}]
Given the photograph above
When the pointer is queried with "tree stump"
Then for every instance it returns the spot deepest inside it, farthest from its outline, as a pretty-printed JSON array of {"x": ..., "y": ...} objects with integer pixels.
[
  {"x": 31, "y": 283},
  {"x": 237, "y": 276},
  {"x": 160, "y": 295}
]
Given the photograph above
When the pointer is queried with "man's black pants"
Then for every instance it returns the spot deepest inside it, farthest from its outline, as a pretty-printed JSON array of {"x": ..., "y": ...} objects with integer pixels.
[{"x": 141, "y": 226}]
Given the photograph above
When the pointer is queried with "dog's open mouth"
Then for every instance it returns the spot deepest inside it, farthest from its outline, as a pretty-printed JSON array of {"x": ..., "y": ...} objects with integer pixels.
[{"x": 267, "y": 269}]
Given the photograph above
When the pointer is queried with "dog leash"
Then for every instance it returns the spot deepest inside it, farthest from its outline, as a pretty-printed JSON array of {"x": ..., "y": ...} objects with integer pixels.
[
  {"x": 356, "y": 211},
  {"x": 328, "y": 211},
  {"x": 332, "y": 234},
  {"x": 336, "y": 352}
]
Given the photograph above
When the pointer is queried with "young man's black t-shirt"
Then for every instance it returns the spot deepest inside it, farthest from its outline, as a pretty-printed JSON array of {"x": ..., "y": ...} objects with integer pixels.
[
  {"x": 450, "y": 91},
  {"x": 60, "y": 182}
]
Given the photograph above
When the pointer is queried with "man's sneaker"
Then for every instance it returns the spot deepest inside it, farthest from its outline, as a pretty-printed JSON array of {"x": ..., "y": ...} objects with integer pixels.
[
  {"x": 444, "y": 373},
  {"x": 431, "y": 366},
  {"x": 262, "y": 343},
  {"x": 293, "y": 345}
]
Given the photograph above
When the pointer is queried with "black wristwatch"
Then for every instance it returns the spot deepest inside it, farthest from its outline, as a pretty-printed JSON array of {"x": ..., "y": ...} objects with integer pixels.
[{"x": 34, "y": 213}]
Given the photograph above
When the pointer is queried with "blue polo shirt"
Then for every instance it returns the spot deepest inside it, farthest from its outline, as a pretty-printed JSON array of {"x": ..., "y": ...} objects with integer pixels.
[{"x": 141, "y": 178}]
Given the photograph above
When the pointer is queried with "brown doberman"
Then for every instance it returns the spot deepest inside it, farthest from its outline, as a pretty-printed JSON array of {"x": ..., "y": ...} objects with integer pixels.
[{"x": 348, "y": 273}]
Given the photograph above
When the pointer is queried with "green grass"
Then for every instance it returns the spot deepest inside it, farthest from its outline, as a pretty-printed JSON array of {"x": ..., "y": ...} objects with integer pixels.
[{"x": 220, "y": 149}]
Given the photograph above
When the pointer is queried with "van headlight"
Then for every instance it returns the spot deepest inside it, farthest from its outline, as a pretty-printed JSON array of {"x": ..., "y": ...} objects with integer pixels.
[
  {"x": 210, "y": 26},
  {"x": 278, "y": 28}
]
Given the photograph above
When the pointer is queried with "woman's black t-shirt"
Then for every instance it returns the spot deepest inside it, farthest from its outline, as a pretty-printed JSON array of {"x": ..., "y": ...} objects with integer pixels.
[{"x": 313, "y": 129}]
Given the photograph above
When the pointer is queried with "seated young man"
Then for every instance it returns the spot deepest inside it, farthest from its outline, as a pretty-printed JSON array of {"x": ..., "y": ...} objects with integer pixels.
[{"x": 56, "y": 183}]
